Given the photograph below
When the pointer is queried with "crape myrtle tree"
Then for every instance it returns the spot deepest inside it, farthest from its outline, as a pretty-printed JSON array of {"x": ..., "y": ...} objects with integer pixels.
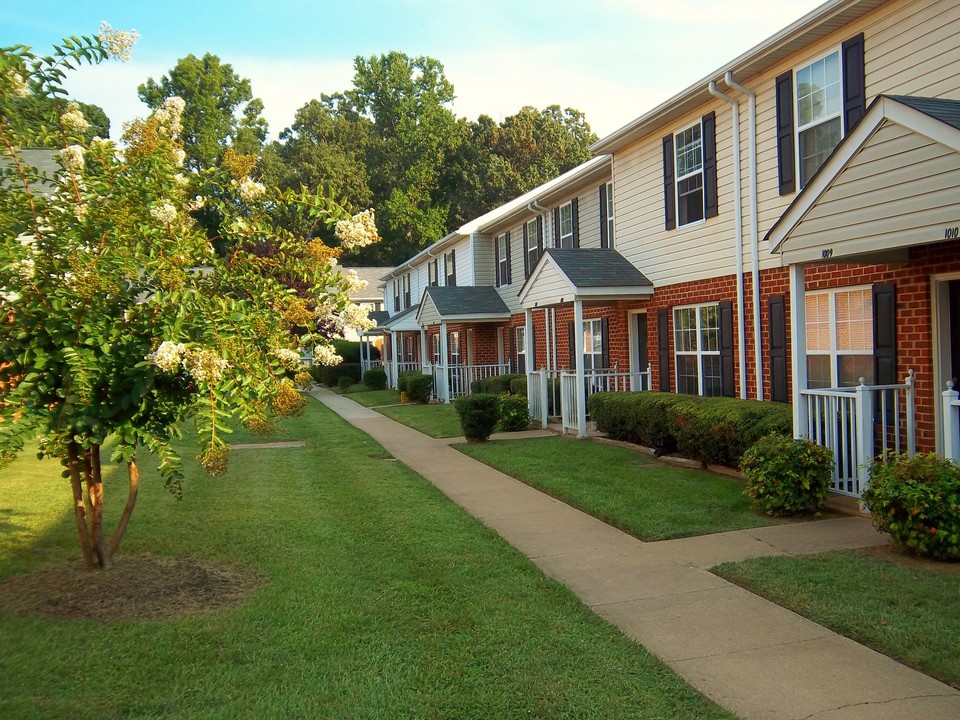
[{"x": 118, "y": 320}]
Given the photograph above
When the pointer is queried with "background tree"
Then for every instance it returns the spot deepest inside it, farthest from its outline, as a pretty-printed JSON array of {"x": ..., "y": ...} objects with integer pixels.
[
  {"x": 119, "y": 321},
  {"x": 214, "y": 94},
  {"x": 27, "y": 114}
]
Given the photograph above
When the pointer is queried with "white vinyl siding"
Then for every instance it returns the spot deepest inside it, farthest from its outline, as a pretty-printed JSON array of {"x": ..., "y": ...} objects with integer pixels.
[
  {"x": 550, "y": 286},
  {"x": 482, "y": 261}
]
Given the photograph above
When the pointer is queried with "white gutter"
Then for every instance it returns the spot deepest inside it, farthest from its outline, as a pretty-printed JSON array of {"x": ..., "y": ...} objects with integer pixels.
[
  {"x": 738, "y": 233},
  {"x": 754, "y": 229},
  {"x": 534, "y": 206}
]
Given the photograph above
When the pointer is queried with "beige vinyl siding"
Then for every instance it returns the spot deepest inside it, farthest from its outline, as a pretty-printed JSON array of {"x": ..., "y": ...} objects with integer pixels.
[
  {"x": 901, "y": 187},
  {"x": 465, "y": 263},
  {"x": 693, "y": 252},
  {"x": 910, "y": 48},
  {"x": 483, "y": 261},
  {"x": 588, "y": 212},
  {"x": 551, "y": 285},
  {"x": 429, "y": 314}
]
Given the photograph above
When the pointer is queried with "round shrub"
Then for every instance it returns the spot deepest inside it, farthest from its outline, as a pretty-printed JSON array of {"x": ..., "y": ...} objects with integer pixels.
[
  {"x": 375, "y": 379},
  {"x": 514, "y": 414},
  {"x": 419, "y": 388},
  {"x": 403, "y": 377},
  {"x": 787, "y": 476},
  {"x": 478, "y": 415},
  {"x": 917, "y": 501},
  {"x": 344, "y": 382}
]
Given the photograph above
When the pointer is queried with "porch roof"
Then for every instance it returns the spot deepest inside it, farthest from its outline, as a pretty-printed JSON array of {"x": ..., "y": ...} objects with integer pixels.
[
  {"x": 564, "y": 275},
  {"x": 380, "y": 317},
  {"x": 462, "y": 304},
  {"x": 403, "y": 321},
  {"x": 892, "y": 183}
]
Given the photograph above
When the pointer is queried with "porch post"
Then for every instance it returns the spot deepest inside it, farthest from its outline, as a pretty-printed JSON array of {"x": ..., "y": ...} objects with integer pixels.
[
  {"x": 529, "y": 351},
  {"x": 951, "y": 443},
  {"x": 394, "y": 358},
  {"x": 423, "y": 349},
  {"x": 864, "y": 434},
  {"x": 798, "y": 348},
  {"x": 581, "y": 394},
  {"x": 544, "y": 402},
  {"x": 444, "y": 390}
]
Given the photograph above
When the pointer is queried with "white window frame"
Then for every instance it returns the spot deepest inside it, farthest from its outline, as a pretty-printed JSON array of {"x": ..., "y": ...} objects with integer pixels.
[
  {"x": 520, "y": 343},
  {"x": 593, "y": 344},
  {"x": 435, "y": 340},
  {"x": 432, "y": 273},
  {"x": 533, "y": 244},
  {"x": 835, "y": 115},
  {"x": 688, "y": 174},
  {"x": 407, "y": 300},
  {"x": 456, "y": 354},
  {"x": 834, "y": 352},
  {"x": 503, "y": 260},
  {"x": 698, "y": 351},
  {"x": 448, "y": 269},
  {"x": 565, "y": 240},
  {"x": 610, "y": 215}
]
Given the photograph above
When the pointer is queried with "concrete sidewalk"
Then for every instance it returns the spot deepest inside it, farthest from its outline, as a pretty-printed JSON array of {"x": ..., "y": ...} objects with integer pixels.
[{"x": 745, "y": 653}]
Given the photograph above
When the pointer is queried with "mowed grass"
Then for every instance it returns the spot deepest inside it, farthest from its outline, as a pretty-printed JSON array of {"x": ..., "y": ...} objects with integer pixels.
[
  {"x": 378, "y": 599},
  {"x": 906, "y": 610},
  {"x": 371, "y": 398},
  {"x": 634, "y": 492},
  {"x": 437, "y": 420}
]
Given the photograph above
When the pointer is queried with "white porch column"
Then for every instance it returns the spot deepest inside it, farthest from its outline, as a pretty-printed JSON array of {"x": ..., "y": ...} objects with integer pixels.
[
  {"x": 951, "y": 441},
  {"x": 444, "y": 374},
  {"x": 529, "y": 351},
  {"x": 423, "y": 350},
  {"x": 394, "y": 358},
  {"x": 581, "y": 375},
  {"x": 798, "y": 347}
]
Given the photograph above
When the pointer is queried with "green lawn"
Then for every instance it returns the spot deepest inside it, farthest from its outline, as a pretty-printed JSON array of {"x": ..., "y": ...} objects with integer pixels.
[
  {"x": 371, "y": 398},
  {"x": 378, "y": 599},
  {"x": 436, "y": 419},
  {"x": 627, "y": 489},
  {"x": 906, "y": 611}
]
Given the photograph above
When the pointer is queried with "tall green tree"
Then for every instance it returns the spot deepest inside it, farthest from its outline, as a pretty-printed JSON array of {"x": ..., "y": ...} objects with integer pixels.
[{"x": 214, "y": 95}]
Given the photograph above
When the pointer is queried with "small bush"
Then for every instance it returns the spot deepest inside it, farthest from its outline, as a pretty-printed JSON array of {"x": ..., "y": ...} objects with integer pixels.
[
  {"x": 917, "y": 501},
  {"x": 403, "y": 378},
  {"x": 514, "y": 415},
  {"x": 330, "y": 374},
  {"x": 787, "y": 476},
  {"x": 478, "y": 415},
  {"x": 375, "y": 379},
  {"x": 495, "y": 385},
  {"x": 518, "y": 386},
  {"x": 419, "y": 388},
  {"x": 344, "y": 382}
]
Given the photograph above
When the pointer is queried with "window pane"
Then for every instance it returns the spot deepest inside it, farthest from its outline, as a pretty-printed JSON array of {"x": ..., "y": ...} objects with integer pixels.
[
  {"x": 711, "y": 376},
  {"x": 816, "y": 144},
  {"x": 685, "y": 329},
  {"x": 850, "y": 368},
  {"x": 709, "y": 329},
  {"x": 855, "y": 320},
  {"x": 818, "y": 322},
  {"x": 690, "y": 199},
  {"x": 687, "y": 381},
  {"x": 818, "y": 372}
]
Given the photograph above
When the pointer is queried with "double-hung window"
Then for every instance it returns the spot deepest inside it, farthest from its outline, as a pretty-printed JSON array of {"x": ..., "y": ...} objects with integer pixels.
[
  {"x": 593, "y": 344},
  {"x": 450, "y": 268},
  {"x": 689, "y": 169},
  {"x": 396, "y": 295},
  {"x": 697, "y": 347},
  {"x": 435, "y": 338},
  {"x": 839, "y": 337},
  {"x": 502, "y": 249},
  {"x": 690, "y": 174},
  {"x": 521, "y": 345},
  {"x": 432, "y": 274},
  {"x": 819, "y": 107},
  {"x": 532, "y": 242},
  {"x": 406, "y": 290},
  {"x": 454, "y": 340},
  {"x": 565, "y": 235}
]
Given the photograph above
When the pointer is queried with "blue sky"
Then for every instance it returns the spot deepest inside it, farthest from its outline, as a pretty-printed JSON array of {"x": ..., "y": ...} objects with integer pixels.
[{"x": 611, "y": 59}]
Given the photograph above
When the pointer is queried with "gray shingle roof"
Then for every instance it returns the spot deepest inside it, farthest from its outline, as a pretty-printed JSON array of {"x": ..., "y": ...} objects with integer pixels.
[
  {"x": 379, "y": 317},
  {"x": 467, "y": 300},
  {"x": 594, "y": 267},
  {"x": 942, "y": 109}
]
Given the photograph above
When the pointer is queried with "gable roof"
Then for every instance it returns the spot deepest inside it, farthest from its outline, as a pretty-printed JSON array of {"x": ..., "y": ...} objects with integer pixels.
[
  {"x": 462, "y": 304},
  {"x": 565, "y": 275},
  {"x": 403, "y": 320},
  {"x": 891, "y": 183}
]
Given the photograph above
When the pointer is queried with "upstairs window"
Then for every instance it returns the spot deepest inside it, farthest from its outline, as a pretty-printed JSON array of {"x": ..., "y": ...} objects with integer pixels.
[
  {"x": 501, "y": 246},
  {"x": 532, "y": 244},
  {"x": 690, "y": 174},
  {"x": 432, "y": 273},
  {"x": 689, "y": 159},
  {"x": 406, "y": 290},
  {"x": 396, "y": 294},
  {"x": 450, "y": 268},
  {"x": 819, "y": 127},
  {"x": 566, "y": 226}
]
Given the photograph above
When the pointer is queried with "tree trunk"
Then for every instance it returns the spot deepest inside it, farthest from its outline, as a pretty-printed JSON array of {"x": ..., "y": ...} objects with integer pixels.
[
  {"x": 95, "y": 497},
  {"x": 79, "y": 507},
  {"x": 133, "y": 475}
]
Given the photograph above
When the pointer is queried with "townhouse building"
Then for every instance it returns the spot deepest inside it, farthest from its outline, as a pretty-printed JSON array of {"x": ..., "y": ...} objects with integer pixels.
[{"x": 784, "y": 230}]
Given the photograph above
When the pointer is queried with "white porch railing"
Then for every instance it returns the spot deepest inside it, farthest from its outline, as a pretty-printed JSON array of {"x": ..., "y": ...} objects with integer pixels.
[
  {"x": 858, "y": 424},
  {"x": 595, "y": 380},
  {"x": 951, "y": 423},
  {"x": 371, "y": 364},
  {"x": 452, "y": 381}
]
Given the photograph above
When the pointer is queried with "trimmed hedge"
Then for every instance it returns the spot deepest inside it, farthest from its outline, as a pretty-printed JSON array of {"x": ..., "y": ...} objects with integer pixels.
[
  {"x": 419, "y": 388},
  {"x": 712, "y": 430},
  {"x": 403, "y": 377},
  {"x": 375, "y": 379},
  {"x": 478, "y": 415},
  {"x": 344, "y": 382},
  {"x": 330, "y": 375},
  {"x": 495, "y": 385},
  {"x": 351, "y": 351},
  {"x": 514, "y": 414}
]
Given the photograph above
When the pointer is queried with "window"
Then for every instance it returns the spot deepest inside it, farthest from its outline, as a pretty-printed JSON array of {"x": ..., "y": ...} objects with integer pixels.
[
  {"x": 435, "y": 339},
  {"x": 689, "y": 169},
  {"x": 532, "y": 244},
  {"x": 593, "y": 344},
  {"x": 408, "y": 348},
  {"x": 565, "y": 226},
  {"x": 406, "y": 290},
  {"x": 839, "y": 338},
  {"x": 697, "y": 347},
  {"x": 609, "y": 214},
  {"x": 450, "y": 268},
  {"x": 521, "y": 345},
  {"x": 818, "y": 107},
  {"x": 432, "y": 273},
  {"x": 396, "y": 294},
  {"x": 454, "y": 340},
  {"x": 502, "y": 249}
]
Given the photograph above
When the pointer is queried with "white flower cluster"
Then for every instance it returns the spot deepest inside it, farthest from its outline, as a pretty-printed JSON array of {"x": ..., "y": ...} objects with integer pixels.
[
  {"x": 359, "y": 231},
  {"x": 170, "y": 116},
  {"x": 26, "y": 269},
  {"x": 73, "y": 119},
  {"x": 204, "y": 365},
  {"x": 198, "y": 202},
  {"x": 325, "y": 311},
  {"x": 164, "y": 212},
  {"x": 289, "y": 359},
  {"x": 353, "y": 282},
  {"x": 117, "y": 42},
  {"x": 18, "y": 87},
  {"x": 250, "y": 190},
  {"x": 326, "y": 355},
  {"x": 179, "y": 156},
  {"x": 72, "y": 159},
  {"x": 168, "y": 356},
  {"x": 355, "y": 317},
  {"x": 98, "y": 144}
]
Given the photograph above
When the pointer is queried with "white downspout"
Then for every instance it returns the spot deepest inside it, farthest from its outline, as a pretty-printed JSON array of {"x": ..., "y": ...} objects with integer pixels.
[
  {"x": 738, "y": 233},
  {"x": 754, "y": 228}
]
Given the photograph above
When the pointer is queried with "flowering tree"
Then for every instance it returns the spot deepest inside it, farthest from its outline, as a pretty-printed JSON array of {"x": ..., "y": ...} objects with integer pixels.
[{"x": 118, "y": 320}]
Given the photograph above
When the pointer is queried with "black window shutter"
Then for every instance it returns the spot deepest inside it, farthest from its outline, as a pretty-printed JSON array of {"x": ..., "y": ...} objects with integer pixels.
[
  {"x": 663, "y": 348},
  {"x": 785, "y": 150},
  {"x": 539, "y": 237},
  {"x": 571, "y": 333},
  {"x": 669, "y": 197},
  {"x": 556, "y": 227},
  {"x": 605, "y": 342},
  {"x": 509, "y": 278},
  {"x": 854, "y": 82},
  {"x": 778, "y": 347},
  {"x": 453, "y": 268},
  {"x": 604, "y": 242},
  {"x": 711, "y": 203},
  {"x": 885, "y": 334},
  {"x": 496, "y": 261},
  {"x": 726, "y": 349},
  {"x": 526, "y": 257},
  {"x": 575, "y": 217}
]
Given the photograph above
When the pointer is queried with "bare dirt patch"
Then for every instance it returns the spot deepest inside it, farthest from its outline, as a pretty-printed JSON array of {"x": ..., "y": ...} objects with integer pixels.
[
  {"x": 899, "y": 555},
  {"x": 135, "y": 588}
]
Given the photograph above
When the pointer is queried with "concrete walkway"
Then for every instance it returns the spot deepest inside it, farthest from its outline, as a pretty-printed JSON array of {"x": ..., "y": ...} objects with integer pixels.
[{"x": 745, "y": 653}]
